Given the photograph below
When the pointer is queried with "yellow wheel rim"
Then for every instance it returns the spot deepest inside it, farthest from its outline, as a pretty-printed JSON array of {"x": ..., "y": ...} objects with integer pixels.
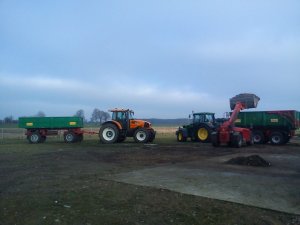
[
  {"x": 202, "y": 134},
  {"x": 180, "y": 136}
]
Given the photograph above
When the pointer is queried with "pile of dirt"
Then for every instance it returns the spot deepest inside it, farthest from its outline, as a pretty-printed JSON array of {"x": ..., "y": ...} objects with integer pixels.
[{"x": 252, "y": 160}]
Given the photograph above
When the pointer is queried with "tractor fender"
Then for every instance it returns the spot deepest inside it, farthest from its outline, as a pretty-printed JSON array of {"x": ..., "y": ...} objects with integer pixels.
[{"x": 119, "y": 126}]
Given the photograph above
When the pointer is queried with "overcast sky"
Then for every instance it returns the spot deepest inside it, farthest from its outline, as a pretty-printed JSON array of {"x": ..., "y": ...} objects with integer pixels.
[{"x": 162, "y": 58}]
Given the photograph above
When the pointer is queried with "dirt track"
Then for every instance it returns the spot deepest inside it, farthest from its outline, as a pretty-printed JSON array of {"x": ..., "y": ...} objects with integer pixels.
[
  {"x": 200, "y": 169},
  {"x": 129, "y": 183}
]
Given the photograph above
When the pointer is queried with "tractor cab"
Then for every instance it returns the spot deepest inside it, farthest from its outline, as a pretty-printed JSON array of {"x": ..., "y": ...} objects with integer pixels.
[
  {"x": 203, "y": 123},
  {"x": 124, "y": 125},
  {"x": 203, "y": 117}
]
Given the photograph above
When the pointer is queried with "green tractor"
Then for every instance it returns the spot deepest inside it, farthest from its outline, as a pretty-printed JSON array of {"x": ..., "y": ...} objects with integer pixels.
[{"x": 200, "y": 129}]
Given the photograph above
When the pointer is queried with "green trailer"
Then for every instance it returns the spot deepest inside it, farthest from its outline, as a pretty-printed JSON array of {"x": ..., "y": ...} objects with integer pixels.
[
  {"x": 38, "y": 128},
  {"x": 276, "y": 127}
]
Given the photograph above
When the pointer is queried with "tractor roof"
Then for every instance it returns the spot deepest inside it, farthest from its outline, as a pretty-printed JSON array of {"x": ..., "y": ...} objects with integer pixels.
[
  {"x": 203, "y": 113},
  {"x": 120, "y": 110}
]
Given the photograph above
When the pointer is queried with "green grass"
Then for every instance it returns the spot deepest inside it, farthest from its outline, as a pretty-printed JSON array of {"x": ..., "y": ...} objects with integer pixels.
[{"x": 58, "y": 183}]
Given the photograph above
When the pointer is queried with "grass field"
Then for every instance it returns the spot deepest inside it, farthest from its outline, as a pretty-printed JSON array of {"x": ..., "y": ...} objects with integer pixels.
[{"x": 58, "y": 183}]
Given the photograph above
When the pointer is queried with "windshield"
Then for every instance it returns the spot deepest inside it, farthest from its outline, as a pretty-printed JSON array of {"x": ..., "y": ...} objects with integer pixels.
[
  {"x": 203, "y": 118},
  {"x": 131, "y": 115}
]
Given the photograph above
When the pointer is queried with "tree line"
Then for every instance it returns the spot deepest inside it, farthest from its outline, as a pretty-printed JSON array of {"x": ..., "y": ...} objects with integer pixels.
[{"x": 98, "y": 116}]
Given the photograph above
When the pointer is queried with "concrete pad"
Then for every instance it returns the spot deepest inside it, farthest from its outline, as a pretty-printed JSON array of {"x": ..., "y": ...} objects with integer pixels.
[{"x": 271, "y": 188}]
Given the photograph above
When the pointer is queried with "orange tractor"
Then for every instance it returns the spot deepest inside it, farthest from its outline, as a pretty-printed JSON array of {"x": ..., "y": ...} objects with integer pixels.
[{"x": 124, "y": 125}]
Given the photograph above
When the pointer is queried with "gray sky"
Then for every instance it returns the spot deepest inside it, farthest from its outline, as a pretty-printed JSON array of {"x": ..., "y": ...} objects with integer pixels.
[{"x": 162, "y": 58}]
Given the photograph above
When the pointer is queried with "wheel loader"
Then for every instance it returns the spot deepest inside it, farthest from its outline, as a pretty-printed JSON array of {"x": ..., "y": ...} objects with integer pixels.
[
  {"x": 123, "y": 125},
  {"x": 227, "y": 133}
]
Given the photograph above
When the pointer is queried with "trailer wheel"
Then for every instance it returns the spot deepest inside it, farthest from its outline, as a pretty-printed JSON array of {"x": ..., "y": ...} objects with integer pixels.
[
  {"x": 69, "y": 137},
  {"x": 79, "y": 137},
  {"x": 141, "y": 135},
  {"x": 34, "y": 138},
  {"x": 43, "y": 139},
  {"x": 276, "y": 138},
  {"x": 108, "y": 133},
  {"x": 258, "y": 137}
]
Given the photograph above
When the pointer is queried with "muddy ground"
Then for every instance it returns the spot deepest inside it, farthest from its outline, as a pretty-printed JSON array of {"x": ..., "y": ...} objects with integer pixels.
[{"x": 161, "y": 183}]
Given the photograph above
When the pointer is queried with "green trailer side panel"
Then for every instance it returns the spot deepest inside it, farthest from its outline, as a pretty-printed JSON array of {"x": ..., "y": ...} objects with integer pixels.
[
  {"x": 50, "y": 122},
  {"x": 284, "y": 118}
]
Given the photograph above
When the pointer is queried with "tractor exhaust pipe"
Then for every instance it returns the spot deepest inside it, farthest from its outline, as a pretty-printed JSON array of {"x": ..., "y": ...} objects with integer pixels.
[{"x": 248, "y": 100}]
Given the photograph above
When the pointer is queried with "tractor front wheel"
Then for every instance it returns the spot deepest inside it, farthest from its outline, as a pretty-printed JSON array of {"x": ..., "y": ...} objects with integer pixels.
[
  {"x": 109, "y": 133},
  {"x": 181, "y": 137},
  {"x": 141, "y": 135}
]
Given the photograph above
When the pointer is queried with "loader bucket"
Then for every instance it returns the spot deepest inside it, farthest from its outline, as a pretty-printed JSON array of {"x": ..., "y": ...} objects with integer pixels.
[{"x": 249, "y": 100}]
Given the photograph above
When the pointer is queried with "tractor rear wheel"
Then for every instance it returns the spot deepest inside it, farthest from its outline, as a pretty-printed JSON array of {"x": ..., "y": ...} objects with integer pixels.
[
  {"x": 109, "y": 133},
  {"x": 203, "y": 134},
  {"x": 141, "y": 135}
]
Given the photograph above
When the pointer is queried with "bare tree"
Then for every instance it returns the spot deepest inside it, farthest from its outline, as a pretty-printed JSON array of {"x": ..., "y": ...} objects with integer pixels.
[
  {"x": 105, "y": 116},
  {"x": 40, "y": 114},
  {"x": 99, "y": 116},
  {"x": 95, "y": 115},
  {"x": 8, "y": 119},
  {"x": 80, "y": 113}
]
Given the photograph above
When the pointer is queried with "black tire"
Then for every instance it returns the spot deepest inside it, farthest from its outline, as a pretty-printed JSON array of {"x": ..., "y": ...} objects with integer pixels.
[
  {"x": 152, "y": 136},
  {"x": 251, "y": 141},
  {"x": 286, "y": 139},
  {"x": 215, "y": 139},
  {"x": 43, "y": 139},
  {"x": 79, "y": 137},
  {"x": 203, "y": 134},
  {"x": 141, "y": 135},
  {"x": 277, "y": 138},
  {"x": 34, "y": 138},
  {"x": 181, "y": 137},
  {"x": 258, "y": 137},
  {"x": 237, "y": 140},
  {"x": 70, "y": 137},
  {"x": 121, "y": 139},
  {"x": 109, "y": 133}
]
